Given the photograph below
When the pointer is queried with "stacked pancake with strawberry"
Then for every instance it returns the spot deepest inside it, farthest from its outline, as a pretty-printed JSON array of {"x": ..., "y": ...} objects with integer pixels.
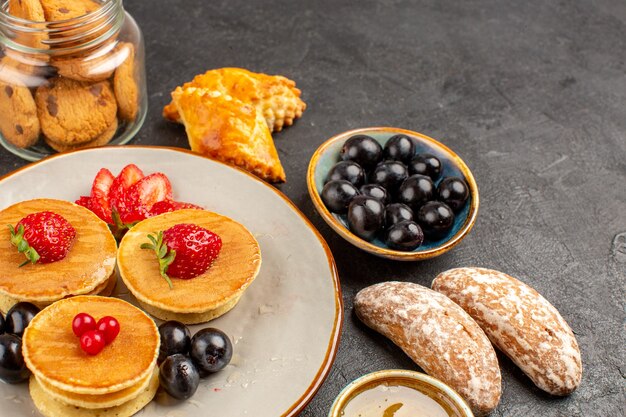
[
  {"x": 188, "y": 265},
  {"x": 52, "y": 249}
]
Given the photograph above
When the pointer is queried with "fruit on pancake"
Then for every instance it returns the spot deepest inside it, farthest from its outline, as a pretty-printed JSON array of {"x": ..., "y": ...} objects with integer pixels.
[
  {"x": 144, "y": 194},
  {"x": 43, "y": 237},
  {"x": 100, "y": 195},
  {"x": 179, "y": 377},
  {"x": 92, "y": 342},
  {"x": 130, "y": 197},
  {"x": 2, "y": 323},
  {"x": 109, "y": 327},
  {"x": 83, "y": 323},
  {"x": 167, "y": 206},
  {"x": 184, "y": 251},
  {"x": 12, "y": 366},
  {"x": 211, "y": 351},
  {"x": 19, "y": 317},
  {"x": 175, "y": 338},
  {"x": 94, "y": 336},
  {"x": 129, "y": 176}
]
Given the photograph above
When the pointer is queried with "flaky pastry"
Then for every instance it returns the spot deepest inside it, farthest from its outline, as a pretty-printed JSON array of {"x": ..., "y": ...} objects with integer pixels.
[
  {"x": 229, "y": 130},
  {"x": 275, "y": 97}
]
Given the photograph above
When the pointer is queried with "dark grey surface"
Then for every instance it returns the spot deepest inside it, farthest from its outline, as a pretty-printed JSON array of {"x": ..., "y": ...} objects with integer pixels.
[{"x": 532, "y": 94}]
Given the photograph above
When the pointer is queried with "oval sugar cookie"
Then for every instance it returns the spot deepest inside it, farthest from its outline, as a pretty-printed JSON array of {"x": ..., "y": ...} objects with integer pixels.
[{"x": 520, "y": 322}]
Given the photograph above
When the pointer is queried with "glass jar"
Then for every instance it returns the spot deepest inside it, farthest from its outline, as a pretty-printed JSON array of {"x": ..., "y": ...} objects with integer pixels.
[{"x": 73, "y": 82}]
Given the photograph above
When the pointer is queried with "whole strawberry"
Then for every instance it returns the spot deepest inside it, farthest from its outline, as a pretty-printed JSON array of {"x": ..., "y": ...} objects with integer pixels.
[
  {"x": 43, "y": 237},
  {"x": 184, "y": 251}
]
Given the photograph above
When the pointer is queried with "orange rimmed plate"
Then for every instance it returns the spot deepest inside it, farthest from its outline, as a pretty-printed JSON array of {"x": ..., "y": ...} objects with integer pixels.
[
  {"x": 286, "y": 327},
  {"x": 328, "y": 154}
]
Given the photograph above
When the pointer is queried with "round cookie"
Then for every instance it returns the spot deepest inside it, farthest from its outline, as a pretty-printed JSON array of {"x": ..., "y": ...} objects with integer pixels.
[
  {"x": 29, "y": 10},
  {"x": 89, "y": 70},
  {"x": 57, "y": 10},
  {"x": 73, "y": 112},
  {"x": 125, "y": 85},
  {"x": 18, "y": 115},
  {"x": 101, "y": 140}
]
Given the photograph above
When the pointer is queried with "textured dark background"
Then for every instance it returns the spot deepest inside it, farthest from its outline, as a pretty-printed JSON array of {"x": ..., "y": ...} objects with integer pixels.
[{"x": 532, "y": 94}]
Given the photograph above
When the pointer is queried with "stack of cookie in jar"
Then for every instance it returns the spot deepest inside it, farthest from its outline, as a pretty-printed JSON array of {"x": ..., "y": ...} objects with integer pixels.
[{"x": 69, "y": 74}]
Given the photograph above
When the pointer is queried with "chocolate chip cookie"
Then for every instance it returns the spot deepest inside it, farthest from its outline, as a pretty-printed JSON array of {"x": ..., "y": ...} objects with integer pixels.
[
  {"x": 19, "y": 123},
  {"x": 101, "y": 140},
  {"x": 73, "y": 112},
  {"x": 125, "y": 85},
  {"x": 96, "y": 66},
  {"x": 29, "y": 10},
  {"x": 56, "y": 10}
]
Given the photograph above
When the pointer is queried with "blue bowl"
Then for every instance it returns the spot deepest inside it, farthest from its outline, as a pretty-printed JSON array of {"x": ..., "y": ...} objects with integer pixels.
[{"x": 328, "y": 154}]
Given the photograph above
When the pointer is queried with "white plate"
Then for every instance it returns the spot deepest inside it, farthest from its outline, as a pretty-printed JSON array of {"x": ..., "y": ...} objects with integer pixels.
[{"x": 286, "y": 327}]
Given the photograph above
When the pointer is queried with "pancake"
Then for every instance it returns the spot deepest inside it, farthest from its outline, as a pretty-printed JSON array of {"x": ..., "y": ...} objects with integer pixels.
[
  {"x": 52, "y": 352},
  {"x": 50, "y": 407},
  {"x": 99, "y": 401},
  {"x": 88, "y": 264},
  {"x": 104, "y": 289},
  {"x": 204, "y": 297}
]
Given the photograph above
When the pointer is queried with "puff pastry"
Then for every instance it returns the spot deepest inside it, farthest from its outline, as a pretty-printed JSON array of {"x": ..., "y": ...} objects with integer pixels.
[
  {"x": 276, "y": 98},
  {"x": 224, "y": 128}
]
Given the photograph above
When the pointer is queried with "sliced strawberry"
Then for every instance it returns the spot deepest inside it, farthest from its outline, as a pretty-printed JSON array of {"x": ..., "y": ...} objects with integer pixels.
[
  {"x": 84, "y": 201},
  {"x": 100, "y": 195},
  {"x": 146, "y": 193},
  {"x": 167, "y": 206},
  {"x": 129, "y": 176}
]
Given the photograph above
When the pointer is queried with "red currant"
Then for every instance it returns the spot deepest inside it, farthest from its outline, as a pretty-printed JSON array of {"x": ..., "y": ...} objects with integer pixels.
[
  {"x": 110, "y": 328},
  {"x": 92, "y": 342},
  {"x": 82, "y": 323}
]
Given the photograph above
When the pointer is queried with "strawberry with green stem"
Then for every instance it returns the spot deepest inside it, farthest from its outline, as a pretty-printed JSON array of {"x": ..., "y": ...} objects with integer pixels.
[
  {"x": 184, "y": 251},
  {"x": 42, "y": 237}
]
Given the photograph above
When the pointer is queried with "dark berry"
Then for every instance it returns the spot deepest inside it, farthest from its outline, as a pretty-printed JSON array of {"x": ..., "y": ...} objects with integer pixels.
[
  {"x": 211, "y": 351},
  {"x": 82, "y": 323},
  {"x": 406, "y": 235},
  {"x": 109, "y": 327},
  {"x": 179, "y": 376},
  {"x": 2, "y": 323},
  {"x": 337, "y": 195},
  {"x": 92, "y": 342},
  {"x": 399, "y": 148},
  {"x": 363, "y": 150},
  {"x": 175, "y": 338},
  {"x": 436, "y": 219},
  {"x": 347, "y": 170},
  {"x": 389, "y": 174},
  {"x": 397, "y": 212},
  {"x": 19, "y": 316},
  {"x": 454, "y": 192},
  {"x": 376, "y": 191},
  {"x": 365, "y": 216},
  {"x": 415, "y": 191},
  {"x": 426, "y": 164},
  {"x": 12, "y": 366}
]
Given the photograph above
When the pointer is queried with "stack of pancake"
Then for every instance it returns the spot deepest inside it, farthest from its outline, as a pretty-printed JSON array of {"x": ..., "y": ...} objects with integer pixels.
[
  {"x": 199, "y": 299},
  {"x": 118, "y": 381},
  {"x": 88, "y": 267}
]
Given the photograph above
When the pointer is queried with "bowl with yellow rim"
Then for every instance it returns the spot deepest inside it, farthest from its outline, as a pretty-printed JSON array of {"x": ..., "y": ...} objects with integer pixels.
[
  {"x": 398, "y": 393},
  {"x": 328, "y": 154}
]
